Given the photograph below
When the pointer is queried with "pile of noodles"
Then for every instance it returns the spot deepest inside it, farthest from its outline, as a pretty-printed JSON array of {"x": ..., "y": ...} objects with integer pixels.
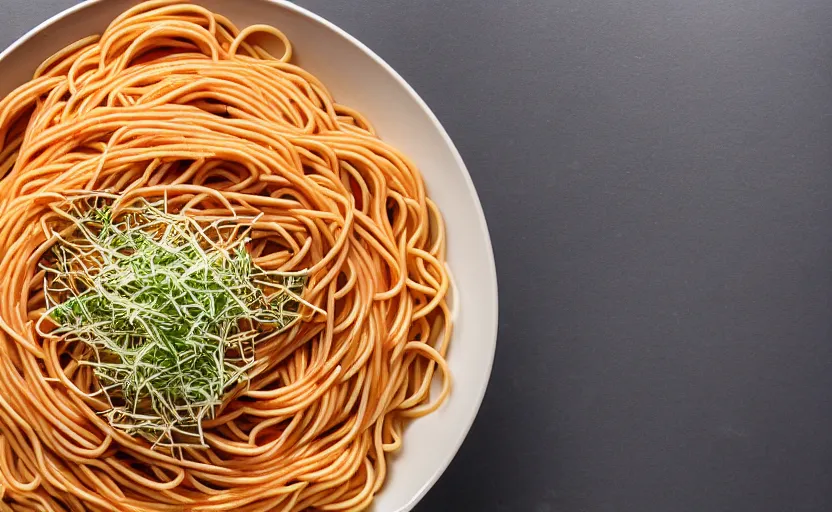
[{"x": 173, "y": 101}]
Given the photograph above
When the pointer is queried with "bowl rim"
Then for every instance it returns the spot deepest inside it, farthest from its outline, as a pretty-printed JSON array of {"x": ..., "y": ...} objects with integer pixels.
[{"x": 482, "y": 226}]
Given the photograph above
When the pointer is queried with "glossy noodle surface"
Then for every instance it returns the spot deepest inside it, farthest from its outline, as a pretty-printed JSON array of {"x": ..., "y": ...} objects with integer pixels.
[{"x": 174, "y": 103}]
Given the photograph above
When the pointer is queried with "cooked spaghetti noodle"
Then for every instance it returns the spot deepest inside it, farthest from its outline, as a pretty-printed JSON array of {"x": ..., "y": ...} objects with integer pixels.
[{"x": 175, "y": 103}]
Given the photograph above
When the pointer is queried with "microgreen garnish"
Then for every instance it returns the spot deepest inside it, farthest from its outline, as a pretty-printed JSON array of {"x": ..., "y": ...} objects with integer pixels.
[{"x": 170, "y": 306}]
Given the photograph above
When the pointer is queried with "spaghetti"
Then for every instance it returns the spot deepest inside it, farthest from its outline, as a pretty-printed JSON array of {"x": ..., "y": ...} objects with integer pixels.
[{"x": 173, "y": 102}]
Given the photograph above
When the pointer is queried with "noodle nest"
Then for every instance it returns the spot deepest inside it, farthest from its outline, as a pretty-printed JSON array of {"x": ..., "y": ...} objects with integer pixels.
[{"x": 173, "y": 103}]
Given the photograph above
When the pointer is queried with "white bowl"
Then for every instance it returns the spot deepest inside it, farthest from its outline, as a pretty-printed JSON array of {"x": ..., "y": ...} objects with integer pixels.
[{"x": 359, "y": 78}]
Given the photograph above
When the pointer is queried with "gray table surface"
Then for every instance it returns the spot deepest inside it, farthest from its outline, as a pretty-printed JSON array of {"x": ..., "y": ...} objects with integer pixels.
[{"x": 656, "y": 176}]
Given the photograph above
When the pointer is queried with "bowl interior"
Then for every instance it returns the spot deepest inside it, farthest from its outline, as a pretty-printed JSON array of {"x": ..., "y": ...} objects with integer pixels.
[{"x": 358, "y": 78}]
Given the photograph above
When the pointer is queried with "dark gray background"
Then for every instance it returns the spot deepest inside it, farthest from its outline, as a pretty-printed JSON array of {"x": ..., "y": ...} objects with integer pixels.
[{"x": 656, "y": 176}]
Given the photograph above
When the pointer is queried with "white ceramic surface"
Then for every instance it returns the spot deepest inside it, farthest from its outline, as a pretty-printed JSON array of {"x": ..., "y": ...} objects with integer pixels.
[{"x": 359, "y": 78}]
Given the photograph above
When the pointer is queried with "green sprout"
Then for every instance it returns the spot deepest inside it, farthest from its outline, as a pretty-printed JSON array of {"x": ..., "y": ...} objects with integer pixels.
[{"x": 171, "y": 308}]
